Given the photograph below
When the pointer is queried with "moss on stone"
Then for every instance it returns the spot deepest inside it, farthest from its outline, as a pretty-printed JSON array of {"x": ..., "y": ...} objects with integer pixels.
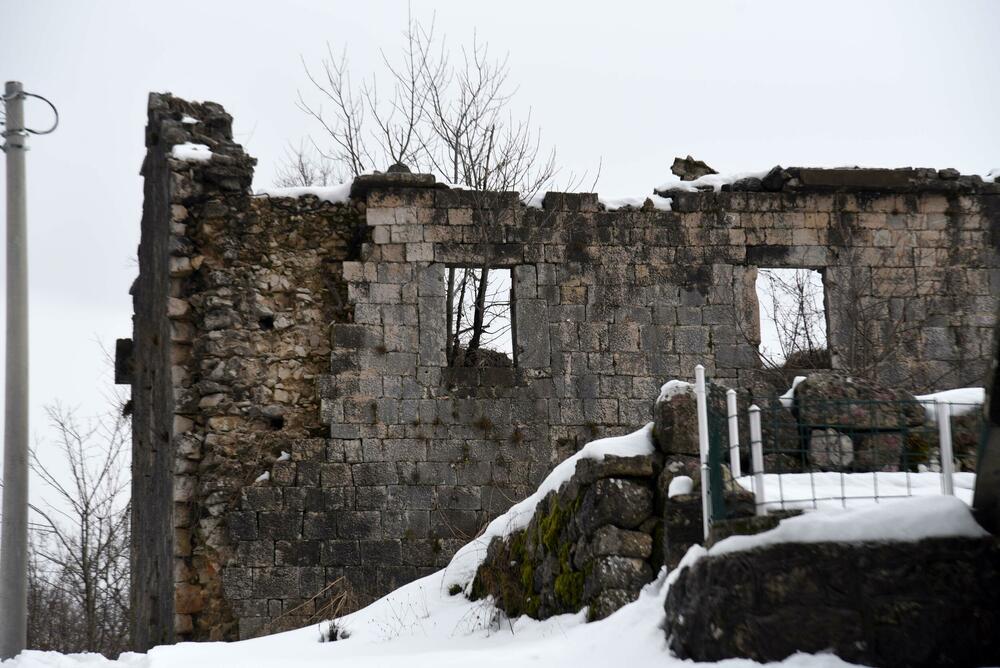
[
  {"x": 569, "y": 589},
  {"x": 551, "y": 526},
  {"x": 527, "y": 576}
]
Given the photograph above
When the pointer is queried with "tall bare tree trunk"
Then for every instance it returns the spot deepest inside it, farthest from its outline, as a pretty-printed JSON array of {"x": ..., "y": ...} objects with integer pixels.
[
  {"x": 477, "y": 321},
  {"x": 449, "y": 348}
]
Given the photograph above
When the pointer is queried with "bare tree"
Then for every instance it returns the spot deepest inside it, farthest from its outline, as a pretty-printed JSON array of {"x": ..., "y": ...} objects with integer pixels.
[
  {"x": 795, "y": 307},
  {"x": 81, "y": 548},
  {"x": 303, "y": 166},
  {"x": 447, "y": 112}
]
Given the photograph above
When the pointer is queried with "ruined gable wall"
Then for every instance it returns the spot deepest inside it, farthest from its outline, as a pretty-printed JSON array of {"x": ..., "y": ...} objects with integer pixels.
[
  {"x": 318, "y": 330},
  {"x": 233, "y": 306}
]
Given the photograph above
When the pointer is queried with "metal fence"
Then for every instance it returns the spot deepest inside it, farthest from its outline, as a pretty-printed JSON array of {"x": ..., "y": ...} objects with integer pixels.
[{"x": 832, "y": 453}]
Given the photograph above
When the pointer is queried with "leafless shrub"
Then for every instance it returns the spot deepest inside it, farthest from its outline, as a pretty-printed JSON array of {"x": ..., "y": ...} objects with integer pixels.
[
  {"x": 304, "y": 166},
  {"x": 79, "y": 572}
]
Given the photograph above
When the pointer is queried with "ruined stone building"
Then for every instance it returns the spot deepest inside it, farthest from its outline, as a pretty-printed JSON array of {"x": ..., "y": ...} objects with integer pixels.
[{"x": 295, "y": 419}]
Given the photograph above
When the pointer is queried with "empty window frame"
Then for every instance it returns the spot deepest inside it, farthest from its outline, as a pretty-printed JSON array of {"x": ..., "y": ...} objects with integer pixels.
[
  {"x": 793, "y": 319},
  {"x": 479, "y": 312}
]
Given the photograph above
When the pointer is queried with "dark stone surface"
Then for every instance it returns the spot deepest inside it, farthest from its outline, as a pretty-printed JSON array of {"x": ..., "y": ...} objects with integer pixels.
[
  {"x": 123, "y": 361},
  {"x": 689, "y": 169},
  {"x": 749, "y": 184},
  {"x": 610, "y": 540},
  {"x": 589, "y": 470},
  {"x": 818, "y": 404},
  {"x": 878, "y": 179},
  {"x": 986, "y": 502},
  {"x": 618, "y": 501},
  {"x": 775, "y": 179},
  {"x": 931, "y": 603}
]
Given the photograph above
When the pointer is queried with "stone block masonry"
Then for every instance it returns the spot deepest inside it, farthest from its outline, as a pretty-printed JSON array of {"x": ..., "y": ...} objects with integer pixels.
[{"x": 305, "y": 340}]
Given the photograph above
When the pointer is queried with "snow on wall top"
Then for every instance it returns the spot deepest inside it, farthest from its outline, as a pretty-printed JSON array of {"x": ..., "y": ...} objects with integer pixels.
[
  {"x": 909, "y": 519},
  {"x": 715, "y": 181},
  {"x": 336, "y": 194}
]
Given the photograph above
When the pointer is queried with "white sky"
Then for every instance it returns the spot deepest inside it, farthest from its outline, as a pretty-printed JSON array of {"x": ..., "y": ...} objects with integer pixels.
[{"x": 742, "y": 85}]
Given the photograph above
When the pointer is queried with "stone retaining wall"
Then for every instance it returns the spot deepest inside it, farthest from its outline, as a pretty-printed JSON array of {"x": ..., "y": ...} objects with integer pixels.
[
  {"x": 607, "y": 531},
  {"x": 594, "y": 542},
  {"x": 927, "y": 603}
]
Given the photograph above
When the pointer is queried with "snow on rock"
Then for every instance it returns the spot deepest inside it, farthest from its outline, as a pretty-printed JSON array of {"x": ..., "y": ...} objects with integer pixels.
[
  {"x": 337, "y": 194},
  {"x": 191, "y": 152},
  {"x": 263, "y": 477},
  {"x": 788, "y": 398},
  {"x": 614, "y": 203},
  {"x": 679, "y": 486},
  {"x": 909, "y": 519},
  {"x": 674, "y": 387},
  {"x": 963, "y": 400},
  {"x": 284, "y": 457},
  {"x": 463, "y": 565},
  {"x": 715, "y": 181},
  {"x": 189, "y": 120}
]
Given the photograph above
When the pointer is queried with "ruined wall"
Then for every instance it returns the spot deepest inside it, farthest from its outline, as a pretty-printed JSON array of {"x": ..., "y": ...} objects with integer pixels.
[
  {"x": 233, "y": 307},
  {"x": 318, "y": 329}
]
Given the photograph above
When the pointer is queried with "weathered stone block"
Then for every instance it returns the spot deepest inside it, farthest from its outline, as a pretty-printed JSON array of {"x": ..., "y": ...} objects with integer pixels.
[
  {"x": 618, "y": 501},
  {"x": 279, "y": 525}
]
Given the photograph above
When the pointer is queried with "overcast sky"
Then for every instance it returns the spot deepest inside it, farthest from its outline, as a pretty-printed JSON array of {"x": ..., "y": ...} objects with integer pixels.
[{"x": 742, "y": 85}]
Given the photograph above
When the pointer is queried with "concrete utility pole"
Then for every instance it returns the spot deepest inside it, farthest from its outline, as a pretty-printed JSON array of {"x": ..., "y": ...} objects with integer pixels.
[{"x": 14, "y": 537}]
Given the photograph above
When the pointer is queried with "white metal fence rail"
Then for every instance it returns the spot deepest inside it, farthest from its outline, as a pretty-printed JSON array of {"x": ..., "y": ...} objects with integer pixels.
[{"x": 820, "y": 483}]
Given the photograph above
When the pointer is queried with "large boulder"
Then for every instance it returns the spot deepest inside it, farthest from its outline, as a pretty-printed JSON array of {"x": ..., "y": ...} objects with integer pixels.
[
  {"x": 675, "y": 421},
  {"x": 592, "y": 543},
  {"x": 837, "y": 400}
]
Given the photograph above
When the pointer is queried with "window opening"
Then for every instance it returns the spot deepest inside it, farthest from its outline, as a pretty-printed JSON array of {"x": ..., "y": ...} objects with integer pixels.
[
  {"x": 793, "y": 319},
  {"x": 480, "y": 323}
]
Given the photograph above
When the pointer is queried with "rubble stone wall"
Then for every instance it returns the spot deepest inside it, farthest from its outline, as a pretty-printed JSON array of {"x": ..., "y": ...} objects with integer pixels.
[
  {"x": 925, "y": 603},
  {"x": 270, "y": 326}
]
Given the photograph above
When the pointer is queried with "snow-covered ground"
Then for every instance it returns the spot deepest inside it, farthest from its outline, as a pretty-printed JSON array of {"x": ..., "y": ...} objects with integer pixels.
[
  {"x": 833, "y": 490},
  {"x": 421, "y": 625}
]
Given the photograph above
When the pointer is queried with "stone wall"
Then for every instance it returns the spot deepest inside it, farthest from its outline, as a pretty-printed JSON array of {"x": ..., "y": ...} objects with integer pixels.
[
  {"x": 607, "y": 531},
  {"x": 927, "y": 603},
  {"x": 233, "y": 307},
  {"x": 265, "y": 326},
  {"x": 592, "y": 543}
]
